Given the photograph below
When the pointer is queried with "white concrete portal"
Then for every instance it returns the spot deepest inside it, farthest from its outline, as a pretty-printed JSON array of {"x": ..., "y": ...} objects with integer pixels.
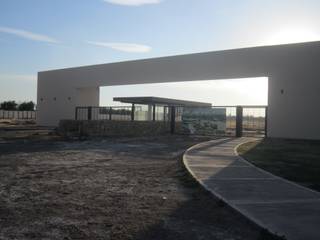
[{"x": 293, "y": 71}]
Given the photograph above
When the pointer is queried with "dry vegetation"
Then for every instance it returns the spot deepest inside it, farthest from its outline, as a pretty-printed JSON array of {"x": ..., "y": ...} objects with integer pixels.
[{"x": 108, "y": 189}]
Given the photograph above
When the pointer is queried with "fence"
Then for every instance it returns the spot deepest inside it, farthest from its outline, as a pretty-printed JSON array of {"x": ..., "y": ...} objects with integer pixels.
[
  {"x": 104, "y": 113},
  {"x": 254, "y": 121},
  {"x": 235, "y": 121},
  {"x": 123, "y": 113},
  {"x": 23, "y": 115}
]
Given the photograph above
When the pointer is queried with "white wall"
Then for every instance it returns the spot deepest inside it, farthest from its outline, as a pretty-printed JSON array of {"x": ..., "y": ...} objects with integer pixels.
[
  {"x": 293, "y": 68},
  {"x": 88, "y": 96},
  {"x": 57, "y": 101},
  {"x": 295, "y": 113}
]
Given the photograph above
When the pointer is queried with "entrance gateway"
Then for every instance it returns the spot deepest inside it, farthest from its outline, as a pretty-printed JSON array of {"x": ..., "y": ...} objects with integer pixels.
[{"x": 293, "y": 82}]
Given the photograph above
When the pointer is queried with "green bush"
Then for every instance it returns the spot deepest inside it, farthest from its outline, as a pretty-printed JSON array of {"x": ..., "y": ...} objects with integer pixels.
[
  {"x": 26, "y": 106},
  {"x": 8, "y": 105}
]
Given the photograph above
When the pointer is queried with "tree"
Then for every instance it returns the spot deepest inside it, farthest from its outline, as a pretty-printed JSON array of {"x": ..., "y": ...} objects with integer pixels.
[
  {"x": 8, "y": 105},
  {"x": 26, "y": 106}
]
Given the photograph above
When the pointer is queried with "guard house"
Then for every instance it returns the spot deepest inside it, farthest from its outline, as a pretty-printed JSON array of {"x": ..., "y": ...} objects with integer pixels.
[{"x": 156, "y": 108}]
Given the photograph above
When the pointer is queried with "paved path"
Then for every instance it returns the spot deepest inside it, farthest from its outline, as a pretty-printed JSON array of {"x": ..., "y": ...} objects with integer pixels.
[{"x": 276, "y": 204}]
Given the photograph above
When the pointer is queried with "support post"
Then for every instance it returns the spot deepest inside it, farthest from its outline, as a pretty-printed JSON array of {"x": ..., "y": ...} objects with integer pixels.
[
  {"x": 266, "y": 123},
  {"x": 89, "y": 113},
  {"x": 110, "y": 113},
  {"x": 154, "y": 113},
  {"x": 132, "y": 112},
  {"x": 173, "y": 120},
  {"x": 239, "y": 121},
  {"x": 76, "y": 114}
]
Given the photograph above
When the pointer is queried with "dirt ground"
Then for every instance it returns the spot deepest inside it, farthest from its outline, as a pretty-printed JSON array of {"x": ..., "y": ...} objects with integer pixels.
[{"x": 109, "y": 189}]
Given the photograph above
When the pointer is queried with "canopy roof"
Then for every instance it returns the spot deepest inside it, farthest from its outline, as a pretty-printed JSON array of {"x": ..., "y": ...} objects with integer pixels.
[{"x": 161, "y": 101}]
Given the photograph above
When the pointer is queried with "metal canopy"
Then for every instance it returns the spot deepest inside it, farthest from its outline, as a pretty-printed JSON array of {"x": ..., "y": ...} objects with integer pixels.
[{"x": 161, "y": 101}]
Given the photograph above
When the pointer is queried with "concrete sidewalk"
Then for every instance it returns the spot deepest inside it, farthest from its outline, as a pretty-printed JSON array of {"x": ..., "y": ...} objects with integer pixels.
[{"x": 276, "y": 204}]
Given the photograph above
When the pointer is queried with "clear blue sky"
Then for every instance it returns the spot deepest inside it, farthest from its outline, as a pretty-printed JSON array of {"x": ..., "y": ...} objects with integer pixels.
[{"x": 38, "y": 35}]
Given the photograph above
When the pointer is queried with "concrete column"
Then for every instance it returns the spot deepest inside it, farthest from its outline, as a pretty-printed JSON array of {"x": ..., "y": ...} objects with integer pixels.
[{"x": 149, "y": 113}]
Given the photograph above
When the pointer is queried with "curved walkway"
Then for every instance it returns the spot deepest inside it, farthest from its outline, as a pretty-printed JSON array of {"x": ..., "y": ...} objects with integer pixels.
[{"x": 274, "y": 203}]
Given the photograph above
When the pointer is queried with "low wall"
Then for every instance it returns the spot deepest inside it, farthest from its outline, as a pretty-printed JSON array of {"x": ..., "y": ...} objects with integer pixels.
[
  {"x": 76, "y": 128},
  {"x": 15, "y": 114}
]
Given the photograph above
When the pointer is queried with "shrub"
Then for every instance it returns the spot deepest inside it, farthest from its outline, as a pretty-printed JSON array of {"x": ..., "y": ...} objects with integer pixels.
[
  {"x": 8, "y": 105},
  {"x": 26, "y": 106}
]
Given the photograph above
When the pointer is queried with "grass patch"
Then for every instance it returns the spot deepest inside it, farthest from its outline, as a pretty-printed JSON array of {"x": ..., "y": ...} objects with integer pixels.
[{"x": 295, "y": 160}]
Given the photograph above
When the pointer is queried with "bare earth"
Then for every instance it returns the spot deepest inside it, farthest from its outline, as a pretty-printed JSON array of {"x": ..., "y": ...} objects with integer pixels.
[{"x": 109, "y": 189}]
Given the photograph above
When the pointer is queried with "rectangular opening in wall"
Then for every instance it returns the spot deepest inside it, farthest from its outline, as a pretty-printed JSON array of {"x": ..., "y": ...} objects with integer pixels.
[{"x": 223, "y": 95}]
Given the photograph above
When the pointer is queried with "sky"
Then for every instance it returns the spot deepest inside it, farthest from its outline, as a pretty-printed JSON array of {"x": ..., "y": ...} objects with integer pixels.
[{"x": 37, "y": 35}]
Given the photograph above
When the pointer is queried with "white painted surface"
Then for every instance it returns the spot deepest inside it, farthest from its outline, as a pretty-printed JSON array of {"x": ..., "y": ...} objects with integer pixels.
[
  {"x": 87, "y": 96},
  {"x": 293, "y": 68}
]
